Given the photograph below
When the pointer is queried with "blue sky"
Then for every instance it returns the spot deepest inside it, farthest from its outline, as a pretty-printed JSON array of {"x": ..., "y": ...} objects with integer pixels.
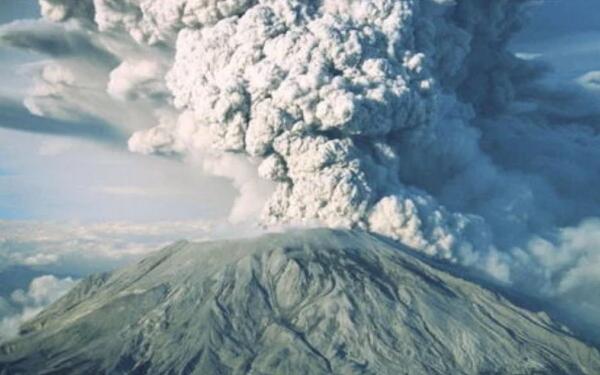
[
  {"x": 46, "y": 177},
  {"x": 55, "y": 178},
  {"x": 565, "y": 33},
  {"x": 17, "y": 9},
  {"x": 557, "y": 18}
]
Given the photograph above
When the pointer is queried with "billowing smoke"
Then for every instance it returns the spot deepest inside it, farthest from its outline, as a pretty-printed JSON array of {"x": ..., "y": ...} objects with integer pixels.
[
  {"x": 332, "y": 96},
  {"x": 407, "y": 118}
]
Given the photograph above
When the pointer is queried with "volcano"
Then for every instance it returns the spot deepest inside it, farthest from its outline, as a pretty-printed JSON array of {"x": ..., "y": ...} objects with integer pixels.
[{"x": 315, "y": 301}]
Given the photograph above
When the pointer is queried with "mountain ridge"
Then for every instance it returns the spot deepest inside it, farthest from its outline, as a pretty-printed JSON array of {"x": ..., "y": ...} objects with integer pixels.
[{"x": 315, "y": 301}]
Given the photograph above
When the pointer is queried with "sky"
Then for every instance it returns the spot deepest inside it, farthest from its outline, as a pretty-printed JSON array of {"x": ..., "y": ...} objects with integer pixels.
[
  {"x": 74, "y": 199},
  {"x": 48, "y": 177},
  {"x": 565, "y": 33},
  {"x": 60, "y": 195}
]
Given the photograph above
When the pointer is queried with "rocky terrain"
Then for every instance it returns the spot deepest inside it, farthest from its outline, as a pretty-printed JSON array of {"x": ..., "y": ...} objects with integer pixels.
[{"x": 303, "y": 302}]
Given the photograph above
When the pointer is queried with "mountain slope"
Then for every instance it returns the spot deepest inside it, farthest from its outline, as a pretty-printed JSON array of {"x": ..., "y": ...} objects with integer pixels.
[{"x": 307, "y": 302}]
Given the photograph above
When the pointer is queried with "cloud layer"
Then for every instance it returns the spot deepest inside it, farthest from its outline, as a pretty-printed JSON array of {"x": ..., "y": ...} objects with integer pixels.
[{"x": 80, "y": 248}]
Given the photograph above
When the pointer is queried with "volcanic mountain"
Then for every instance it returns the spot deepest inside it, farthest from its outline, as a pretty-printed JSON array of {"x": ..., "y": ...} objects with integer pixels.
[{"x": 315, "y": 301}]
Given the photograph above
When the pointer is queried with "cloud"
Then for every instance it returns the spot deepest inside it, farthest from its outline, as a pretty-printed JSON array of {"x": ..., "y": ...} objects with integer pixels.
[
  {"x": 591, "y": 80},
  {"x": 367, "y": 119},
  {"x": 42, "y": 291},
  {"x": 135, "y": 80},
  {"x": 563, "y": 267},
  {"x": 16, "y": 116},
  {"x": 91, "y": 77},
  {"x": 56, "y": 40},
  {"x": 332, "y": 98},
  {"x": 78, "y": 248},
  {"x": 40, "y": 259},
  {"x": 252, "y": 190},
  {"x": 60, "y": 10},
  {"x": 410, "y": 119},
  {"x": 572, "y": 258},
  {"x": 63, "y": 252}
]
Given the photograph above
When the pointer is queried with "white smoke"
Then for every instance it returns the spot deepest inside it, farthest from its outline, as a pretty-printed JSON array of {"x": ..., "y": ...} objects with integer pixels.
[
  {"x": 406, "y": 118},
  {"x": 329, "y": 94}
]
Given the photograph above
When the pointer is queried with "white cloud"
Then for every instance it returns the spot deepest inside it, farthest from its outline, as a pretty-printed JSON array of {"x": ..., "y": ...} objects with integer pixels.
[
  {"x": 78, "y": 249},
  {"x": 40, "y": 259},
  {"x": 60, "y": 10},
  {"x": 331, "y": 97},
  {"x": 252, "y": 191},
  {"x": 590, "y": 80},
  {"x": 572, "y": 259},
  {"x": 135, "y": 80},
  {"x": 81, "y": 248},
  {"x": 410, "y": 119},
  {"x": 71, "y": 248},
  {"x": 42, "y": 291}
]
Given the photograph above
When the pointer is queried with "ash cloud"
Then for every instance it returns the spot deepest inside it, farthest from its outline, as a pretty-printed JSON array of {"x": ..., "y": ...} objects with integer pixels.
[
  {"x": 335, "y": 96},
  {"x": 411, "y": 119}
]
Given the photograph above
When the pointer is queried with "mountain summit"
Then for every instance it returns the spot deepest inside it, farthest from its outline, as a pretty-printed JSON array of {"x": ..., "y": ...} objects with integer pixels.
[{"x": 304, "y": 302}]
